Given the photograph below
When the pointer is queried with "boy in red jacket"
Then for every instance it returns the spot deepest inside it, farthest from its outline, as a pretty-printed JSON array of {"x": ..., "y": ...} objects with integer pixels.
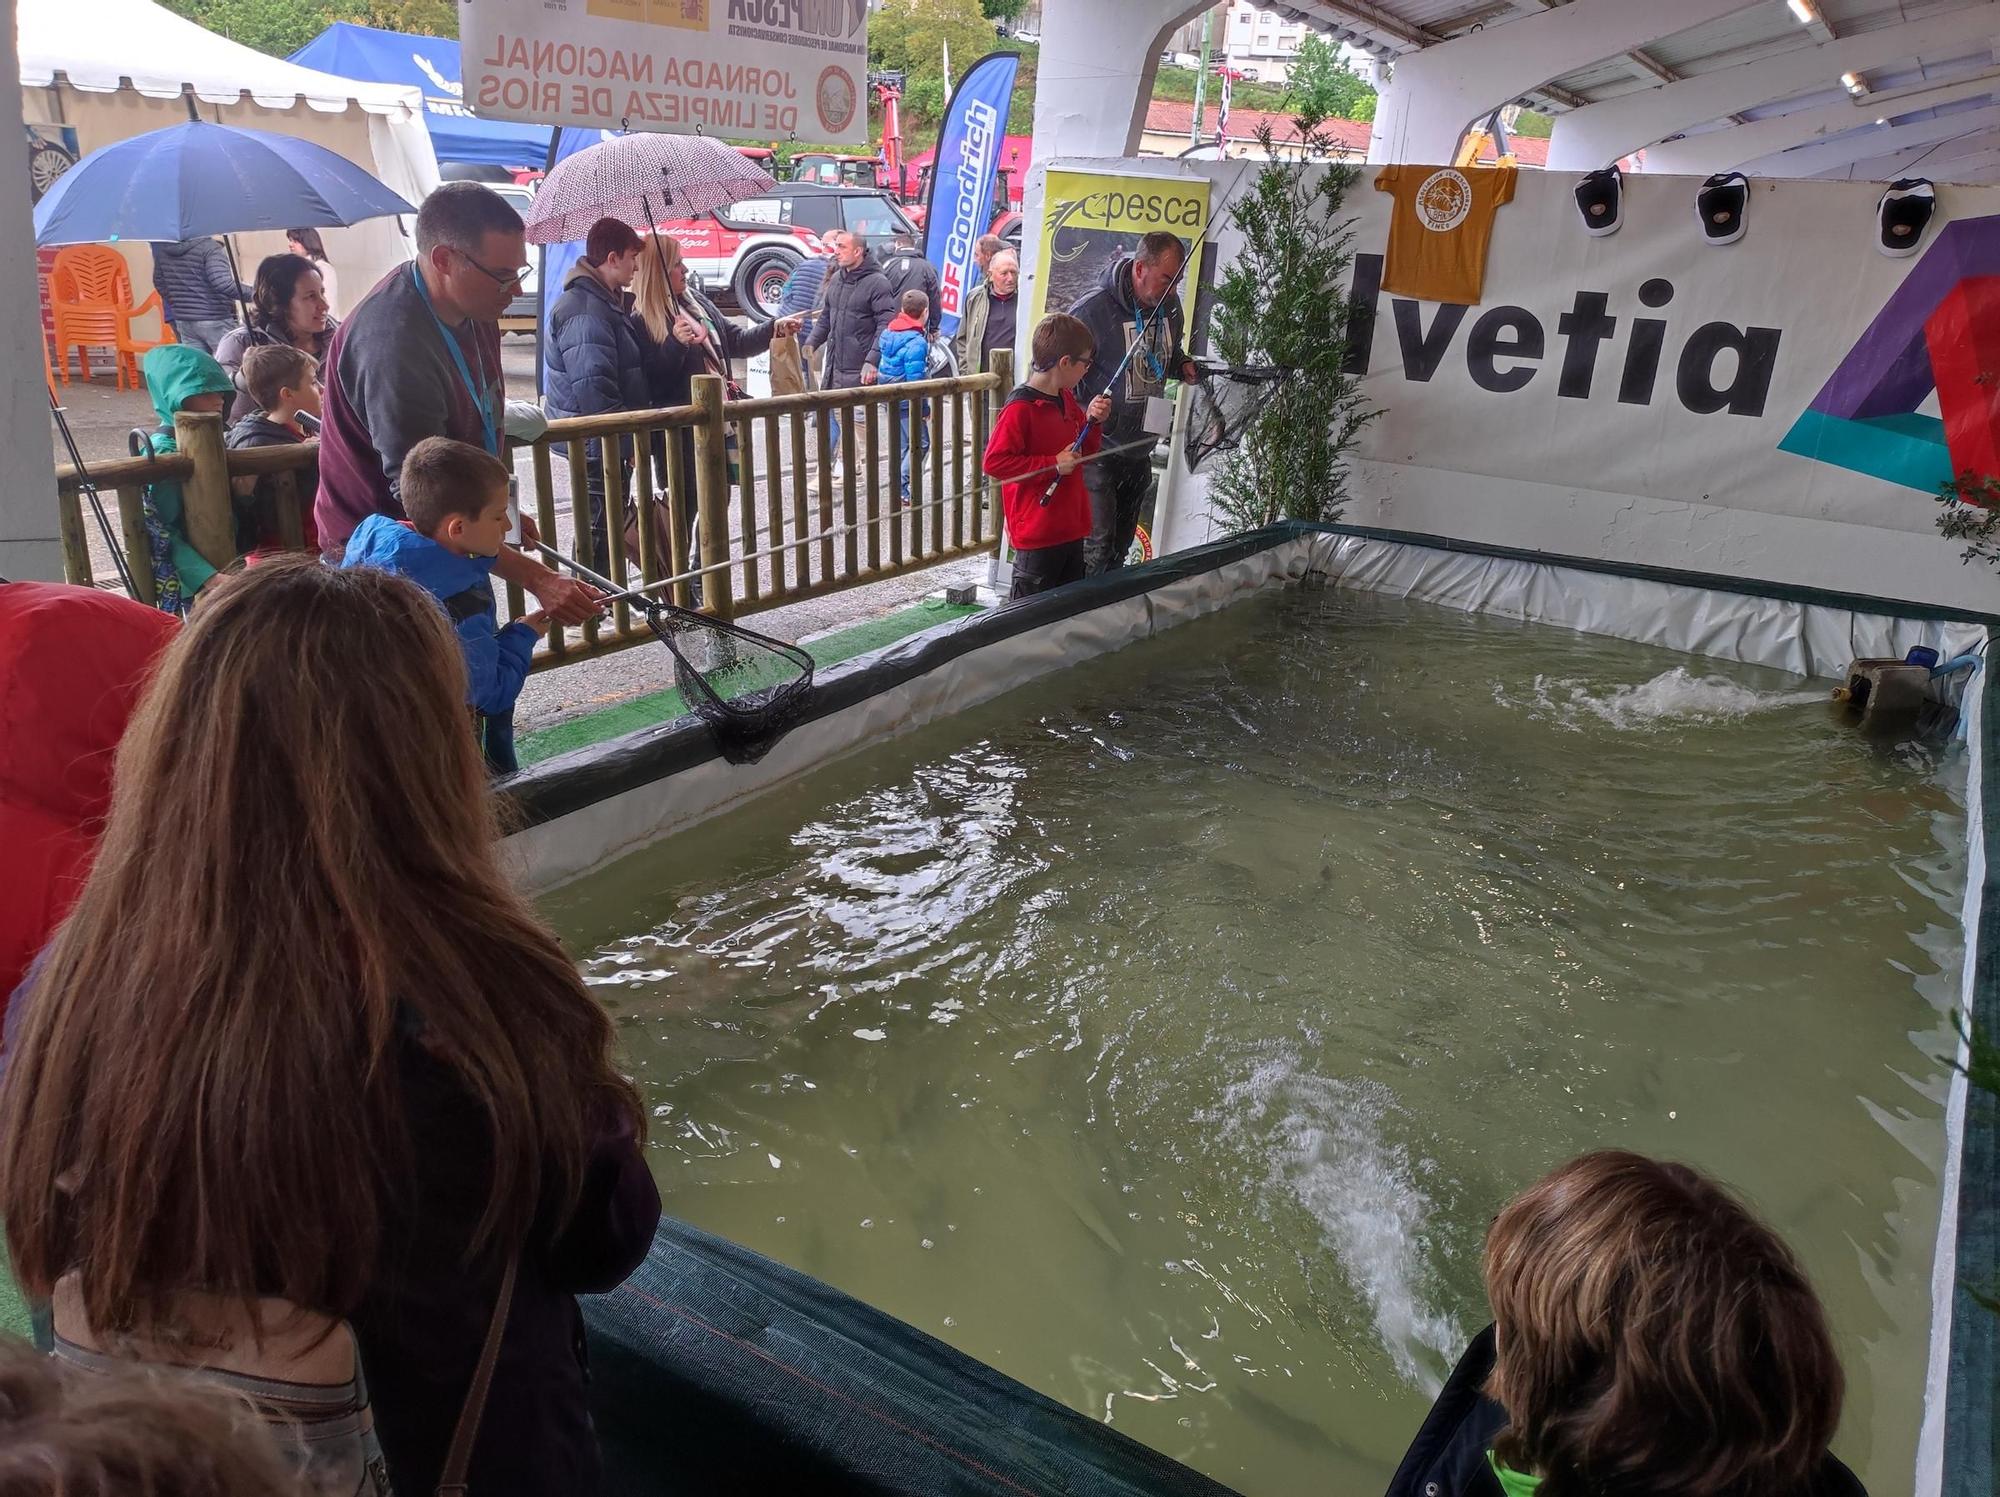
[{"x": 1034, "y": 439}]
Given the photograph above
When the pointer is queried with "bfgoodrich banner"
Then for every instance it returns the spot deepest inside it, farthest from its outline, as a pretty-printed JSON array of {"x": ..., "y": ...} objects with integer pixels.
[{"x": 717, "y": 67}]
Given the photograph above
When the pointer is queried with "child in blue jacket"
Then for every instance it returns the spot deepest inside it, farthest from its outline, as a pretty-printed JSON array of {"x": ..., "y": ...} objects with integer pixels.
[
  {"x": 902, "y": 355},
  {"x": 456, "y": 497}
]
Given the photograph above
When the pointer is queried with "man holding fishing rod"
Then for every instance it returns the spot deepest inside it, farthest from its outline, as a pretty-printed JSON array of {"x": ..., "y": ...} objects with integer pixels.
[{"x": 1135, "y": 316}]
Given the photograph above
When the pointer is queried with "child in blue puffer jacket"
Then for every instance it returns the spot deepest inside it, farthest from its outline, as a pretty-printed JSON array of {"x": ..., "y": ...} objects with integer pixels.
[
  {"x": 456, "y": 497},
  {"x": 901, "y": 355}
]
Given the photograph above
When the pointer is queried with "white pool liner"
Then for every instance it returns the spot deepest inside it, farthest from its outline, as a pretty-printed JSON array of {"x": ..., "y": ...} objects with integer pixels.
[{"x": 1802, "y": 633}]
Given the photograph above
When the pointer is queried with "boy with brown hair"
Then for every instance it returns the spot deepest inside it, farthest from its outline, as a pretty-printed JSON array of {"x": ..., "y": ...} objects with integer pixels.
[
  {"x": 284, "y": 381},
  {"x": 1035, "y": 440},
  {"x": 902, "y": 355},
  {"x": 1651, "y": 1336},
  {"x": 456, "y": 496}
]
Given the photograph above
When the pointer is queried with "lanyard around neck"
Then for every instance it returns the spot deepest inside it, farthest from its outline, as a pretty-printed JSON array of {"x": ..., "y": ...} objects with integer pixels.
[{"x": 479, "y": 401}]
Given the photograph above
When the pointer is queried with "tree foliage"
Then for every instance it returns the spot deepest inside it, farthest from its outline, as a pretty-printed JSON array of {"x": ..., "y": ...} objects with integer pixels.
[
  {"x": 1323, "y": 87},
  {"x": 1003, "y": 10},
  {"x": 1283, "y": 302},
  {"x": 909, "y": 36},
  {"x": 281, "y": 27}
]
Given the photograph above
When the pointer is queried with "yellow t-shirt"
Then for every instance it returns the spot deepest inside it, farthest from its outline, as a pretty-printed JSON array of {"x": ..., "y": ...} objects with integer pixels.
[{"x": 1440, "y": 227}]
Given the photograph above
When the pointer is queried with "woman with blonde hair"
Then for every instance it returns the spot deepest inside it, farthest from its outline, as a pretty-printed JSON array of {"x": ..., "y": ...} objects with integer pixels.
[
  {"x": 682, "y": 334},
  {"x": 303, "y": 1082}
]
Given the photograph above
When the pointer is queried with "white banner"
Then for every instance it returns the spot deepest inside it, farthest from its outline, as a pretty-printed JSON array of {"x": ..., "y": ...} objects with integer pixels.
[
  {"x": 1782, "y": 408},
  {"x": 688, "y": 67}
]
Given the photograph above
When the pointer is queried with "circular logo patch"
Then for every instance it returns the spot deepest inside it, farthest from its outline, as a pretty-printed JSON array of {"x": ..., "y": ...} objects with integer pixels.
[
  {"x": 1443, "y": 201},
  {"x": 835, "y": 97}
]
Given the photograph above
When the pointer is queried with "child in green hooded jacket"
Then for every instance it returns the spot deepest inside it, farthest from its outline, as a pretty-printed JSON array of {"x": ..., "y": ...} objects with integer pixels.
[{"x": 179, "y": 378}]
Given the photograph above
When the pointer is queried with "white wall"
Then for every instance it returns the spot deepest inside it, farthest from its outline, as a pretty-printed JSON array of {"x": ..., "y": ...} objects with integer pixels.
[
  {"x": 1637, "y": 481},
  {"x": 28, "y": 544}
]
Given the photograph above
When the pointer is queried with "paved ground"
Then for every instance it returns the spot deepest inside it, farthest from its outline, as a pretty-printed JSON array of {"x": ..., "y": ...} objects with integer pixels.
[{"x": 101, "y": 416}]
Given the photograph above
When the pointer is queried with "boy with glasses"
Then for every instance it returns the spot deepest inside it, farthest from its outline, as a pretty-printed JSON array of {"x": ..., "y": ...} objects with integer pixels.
[{"x": 1034, "y": 445}]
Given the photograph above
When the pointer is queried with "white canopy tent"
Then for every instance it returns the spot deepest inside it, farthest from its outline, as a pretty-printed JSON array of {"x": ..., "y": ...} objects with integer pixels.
[{"x": 110, "y": 69}]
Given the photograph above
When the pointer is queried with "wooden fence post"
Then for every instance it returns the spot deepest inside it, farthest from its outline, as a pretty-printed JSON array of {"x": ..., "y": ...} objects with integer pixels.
[
  {"x": 206, "y": 510},
  {"x": 711, "y": 489},
  {"x": 988, "y": 413}
]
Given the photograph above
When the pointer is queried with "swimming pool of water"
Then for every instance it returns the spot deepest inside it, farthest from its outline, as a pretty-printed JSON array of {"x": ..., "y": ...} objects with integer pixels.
[{"x": 1165, "y": 1033}]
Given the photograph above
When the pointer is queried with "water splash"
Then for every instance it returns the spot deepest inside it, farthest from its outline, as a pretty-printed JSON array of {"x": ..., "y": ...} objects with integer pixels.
[
  {"x": 1675, "y": 696},
  {"x": 1323, "y": 1141}
]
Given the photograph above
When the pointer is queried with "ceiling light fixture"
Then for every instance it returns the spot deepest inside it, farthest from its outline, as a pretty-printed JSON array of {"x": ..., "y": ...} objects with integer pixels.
[
  {"x": 1803, "y": 9},
  {"x": 1853, "y": 84}
]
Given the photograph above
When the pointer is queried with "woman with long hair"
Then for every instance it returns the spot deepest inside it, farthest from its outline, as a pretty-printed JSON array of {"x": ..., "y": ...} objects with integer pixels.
[
  {"x": 682, "y": 334},
  {"x": 302, "y": 1060},
  {"x": 288, "y": 306},
  {"x": 307, "y": 242}
]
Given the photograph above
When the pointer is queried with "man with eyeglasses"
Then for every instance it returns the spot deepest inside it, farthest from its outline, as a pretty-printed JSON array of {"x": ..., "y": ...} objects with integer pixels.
[
  {"x": 420, "y": 357},
  {"x": 1134, "y": 308}
]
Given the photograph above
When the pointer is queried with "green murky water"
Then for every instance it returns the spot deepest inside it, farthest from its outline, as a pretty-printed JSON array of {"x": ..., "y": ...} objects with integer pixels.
[{"x": 1167, "y": 1032}]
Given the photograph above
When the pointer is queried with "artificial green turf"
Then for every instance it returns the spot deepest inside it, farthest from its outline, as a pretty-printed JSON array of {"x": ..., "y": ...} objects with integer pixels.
[{"x": 665, "y": 706}]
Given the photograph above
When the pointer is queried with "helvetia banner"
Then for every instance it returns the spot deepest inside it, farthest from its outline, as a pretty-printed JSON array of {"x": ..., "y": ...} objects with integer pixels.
[
  {"x": 715, "y": 67},
  {"x": 968, "y": 163}
]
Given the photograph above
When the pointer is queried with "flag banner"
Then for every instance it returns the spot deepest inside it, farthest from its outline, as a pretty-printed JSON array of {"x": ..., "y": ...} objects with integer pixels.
[
  {"x": 686, "y": 67},
  {"x": 962, "y": 178}
]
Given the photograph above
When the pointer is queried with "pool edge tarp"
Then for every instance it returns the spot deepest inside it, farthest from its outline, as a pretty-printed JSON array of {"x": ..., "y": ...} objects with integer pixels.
[{"x": 714, "y": 1369}]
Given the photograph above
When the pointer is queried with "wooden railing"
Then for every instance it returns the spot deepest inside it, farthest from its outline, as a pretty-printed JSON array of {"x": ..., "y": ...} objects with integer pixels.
[{"x": 792, "y": 525}]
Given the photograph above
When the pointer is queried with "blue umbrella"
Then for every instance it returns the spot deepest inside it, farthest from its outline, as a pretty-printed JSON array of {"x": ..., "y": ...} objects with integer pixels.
[{"x": 196, "y": 179}]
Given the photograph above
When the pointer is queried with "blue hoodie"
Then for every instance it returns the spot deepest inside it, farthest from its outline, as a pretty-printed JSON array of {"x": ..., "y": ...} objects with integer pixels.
[{"x": 496, "y": 658}]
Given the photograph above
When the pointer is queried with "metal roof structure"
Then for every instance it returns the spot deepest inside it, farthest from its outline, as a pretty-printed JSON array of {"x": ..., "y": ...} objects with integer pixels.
[{"x": 1867, "y": 89}]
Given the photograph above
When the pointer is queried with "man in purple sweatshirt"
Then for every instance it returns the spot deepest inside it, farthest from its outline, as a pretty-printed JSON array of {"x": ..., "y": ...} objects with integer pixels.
[{"x": 420, "y": 357}]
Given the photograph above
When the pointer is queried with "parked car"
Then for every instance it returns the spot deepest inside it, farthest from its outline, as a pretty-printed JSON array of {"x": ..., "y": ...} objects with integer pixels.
[
  {"x": 521, "y": 198},
  {"x": 749, "y": 248}
]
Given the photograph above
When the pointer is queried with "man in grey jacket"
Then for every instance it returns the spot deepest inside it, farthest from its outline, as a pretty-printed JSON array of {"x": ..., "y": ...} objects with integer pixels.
[
  {"x": 196, "y": 281},
  {"x": 990, "y": 312}
]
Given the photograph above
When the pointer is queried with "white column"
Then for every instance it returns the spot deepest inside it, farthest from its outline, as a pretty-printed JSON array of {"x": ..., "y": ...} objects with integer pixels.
[
  {"x": 1732, "y": 145},
  {"x": 1940, "y": 163},
  {"x": 1597, "y": 134},
  {"x": 1437, "y": 92},
  {"x": 1810, "y": 161},
  {"x": 28, "y": 544},
  {"x": 1099, "y": 59}
]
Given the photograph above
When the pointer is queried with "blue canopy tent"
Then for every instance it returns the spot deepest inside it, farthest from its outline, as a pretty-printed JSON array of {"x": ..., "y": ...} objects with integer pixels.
[{"x": 431, "y": 64}]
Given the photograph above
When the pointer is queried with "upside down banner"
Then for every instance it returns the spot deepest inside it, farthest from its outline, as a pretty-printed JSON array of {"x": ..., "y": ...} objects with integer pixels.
[{"x": 718, "y": 67}]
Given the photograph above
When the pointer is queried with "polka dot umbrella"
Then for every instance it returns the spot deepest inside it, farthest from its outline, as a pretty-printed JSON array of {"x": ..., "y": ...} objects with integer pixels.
[{"x": 643, "y": 179}]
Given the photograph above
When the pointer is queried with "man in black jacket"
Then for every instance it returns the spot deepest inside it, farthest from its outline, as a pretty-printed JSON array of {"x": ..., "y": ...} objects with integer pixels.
[
  {"x": 856, "y": 305},
  {"x": 593, "y": 364},
  {"x": 1131, "y": 304},
  {"x": 908, "y": 270}
]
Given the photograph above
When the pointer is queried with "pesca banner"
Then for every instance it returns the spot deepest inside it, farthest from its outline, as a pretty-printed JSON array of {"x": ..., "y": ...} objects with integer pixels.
[
  {"x": 967, "y": 165},
  {"x": 1091, "y": 218},
  {"x": 685, "y": 67}
]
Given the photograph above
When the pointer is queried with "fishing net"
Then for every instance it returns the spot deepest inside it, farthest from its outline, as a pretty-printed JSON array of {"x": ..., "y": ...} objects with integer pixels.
[
  {"x": 750, "y": 689},
  {"x": 1223, "y": 403}
]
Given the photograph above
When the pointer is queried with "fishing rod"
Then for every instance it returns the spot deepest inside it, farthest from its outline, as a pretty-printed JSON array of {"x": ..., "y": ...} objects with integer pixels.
[
  {"x": 1119, "y": 373},
  {"x": 88, "y": 486}
]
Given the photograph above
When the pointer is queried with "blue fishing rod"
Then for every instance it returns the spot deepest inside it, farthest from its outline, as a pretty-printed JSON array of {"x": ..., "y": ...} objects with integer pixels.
[{"x": 1123, "y": 364}]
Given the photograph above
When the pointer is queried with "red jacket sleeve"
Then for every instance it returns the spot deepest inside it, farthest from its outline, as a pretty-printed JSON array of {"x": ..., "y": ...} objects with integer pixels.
[{"x": 1007, "y": 455}]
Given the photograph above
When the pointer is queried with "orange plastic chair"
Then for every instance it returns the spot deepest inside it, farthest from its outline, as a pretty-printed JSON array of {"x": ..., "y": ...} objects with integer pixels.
[{"x": 90, "y": 295}]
